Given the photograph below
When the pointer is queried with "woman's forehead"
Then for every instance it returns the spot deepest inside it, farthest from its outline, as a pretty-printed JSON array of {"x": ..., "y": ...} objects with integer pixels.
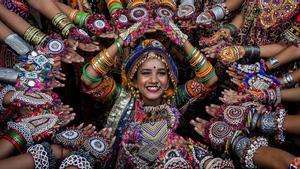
[{"x": 153, "y": 63}]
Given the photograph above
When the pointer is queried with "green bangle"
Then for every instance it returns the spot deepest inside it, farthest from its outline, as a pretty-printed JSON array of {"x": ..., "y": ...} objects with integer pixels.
[
  {"x": 78, "y": 17},
  {"x": 85, "y": 74},
  {"x": 120, "y": 50},
  {"x": 115, "y": 7},
  {"x": 17, "y": 138},
  {"x": 201, "y": 65},
  {"x": 192, "y": 54},
  {"x": 213, "y": 73},
  {"x": 83, "y": 19}
]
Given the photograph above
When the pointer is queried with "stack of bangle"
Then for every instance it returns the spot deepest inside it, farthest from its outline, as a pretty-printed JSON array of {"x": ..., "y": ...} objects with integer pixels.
[
  {"x": 16, "y": 138},
  {"x": 113, "y": 5},
  {"x": 135, "y": 3},
  {"x": 34, "y": 36},
  {"x": 219, "y": 11},
  {"x": 288, "y": 79},
  {"x": 252, "y": 51},
  {"x": 61, "y": 21},
  {"x": 203, "y": 68},
  {"x": 102, "y": 62},
  {"x": 170, "y": 3},
  {"x": 232, "y": 29},
  {"x": 81, "y": 18}
]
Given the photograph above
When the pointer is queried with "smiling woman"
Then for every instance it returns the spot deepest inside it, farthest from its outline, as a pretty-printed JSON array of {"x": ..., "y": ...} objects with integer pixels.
[{"x": 144, "y": 117}]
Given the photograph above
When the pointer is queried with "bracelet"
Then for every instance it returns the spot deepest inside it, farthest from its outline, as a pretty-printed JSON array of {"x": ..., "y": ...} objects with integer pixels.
[
  {"x": 211, "y": 163},
  {"x": 85, "y": 74},
  {"x": 73, "y": 14},
  {"x": 120, "y": 50},
  {"x": 255, "y": 143},
  {"x": 192, "y": 54},
  {"x": 274, "y": 62},
  {"x": 280, "y": 136},
  {"x": 40, "y": 156},
  {"x": 23, "y": 130},
  {"x": 3, "y": 92},
  {"x": 232, "y": 29},
  {"x": 77, "y": 161},
  {"x": 17, "y": 44},
  {"x": 218, "y": 12},
  {"x": 51, "y": 157},
  {"x": 19, "y": 141},
  {"x": 288, "y": 79},
  {"x": 252, "y": 51}
]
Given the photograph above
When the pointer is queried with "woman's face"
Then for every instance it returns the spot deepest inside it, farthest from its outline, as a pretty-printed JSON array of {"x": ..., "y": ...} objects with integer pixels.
[{"x": 152, "y": 81}]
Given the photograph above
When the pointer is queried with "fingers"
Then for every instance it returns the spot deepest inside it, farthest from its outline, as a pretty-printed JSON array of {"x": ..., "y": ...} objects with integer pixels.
[
  {"x": 79, "y": 127},
  {"x": 88, "y": 130},
  {"x": 212, "y": 109},
  {"x": 236, "y": 81},
  {"x": 199, "y": 125}
]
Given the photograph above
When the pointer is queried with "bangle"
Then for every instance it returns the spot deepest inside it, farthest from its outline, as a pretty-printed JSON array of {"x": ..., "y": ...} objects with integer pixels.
[
  {"x": 77, "y": 161},
  {"x": 17, "y": 44},
  {"x": 120, "y": 50},
  {"x": 274, "y": 63},
  {"x": 218, "y": 12},
  {"x": 212, "y": 74},
  {"x": 192, "y": 53},
  {"x": 232, "y": 29},
  {"x": 39, "y": 155},
  {"x": 85, "y": 74},
  {"x": 252, "y": 52},
  {"x": 73, "y": 14},
  {"x": 288, "y": 79}
]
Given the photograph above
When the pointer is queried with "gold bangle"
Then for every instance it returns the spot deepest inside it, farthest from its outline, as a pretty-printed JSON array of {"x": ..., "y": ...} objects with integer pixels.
[
  {"x": 58, "y": 17},
  {"x": 33, "y": 34},
  {"x": 195, "y": 57},
  {"x": 205, "y": 72},
  {"x": 108, "y": 57},
  {"x": 37, "y": 39},
  {"x": 29, "y": 33},
  {"x": 65, "y": 32},
  {"x": 103, "y": 59},
  {"x": 198, "y": 59},
  {"x": 73, "y": 14},
  {"x": 98, "y": 67}
]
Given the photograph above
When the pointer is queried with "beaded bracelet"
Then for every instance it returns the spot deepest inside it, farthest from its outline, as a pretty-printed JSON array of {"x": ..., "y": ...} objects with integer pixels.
[
  {"x": 77, "y": 161},
  {"x": 51, "y": 157},
  {"x": 85, "y": 74},
  {"x": 40, "y": 156},
  {"x": 250, "y": 150}
]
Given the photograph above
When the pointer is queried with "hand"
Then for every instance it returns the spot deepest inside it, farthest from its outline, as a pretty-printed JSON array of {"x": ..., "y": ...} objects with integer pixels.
[
  {"x": 218, "y": 37},
  {"x": 231, "y": 54},
  {"x": 231, "y": 97},
  {"x": 66, "y": 113},
  {"x": 136, "y": 31},
  {"x": 212, "y": 51},
  {"x": 98, "y": 25},
  {"x": 89, "y": 47},
  {"x": 172, "y": 31}
]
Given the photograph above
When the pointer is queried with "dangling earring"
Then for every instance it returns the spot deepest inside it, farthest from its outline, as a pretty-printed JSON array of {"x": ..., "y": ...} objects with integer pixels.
[{"x": 136, "y": 94}]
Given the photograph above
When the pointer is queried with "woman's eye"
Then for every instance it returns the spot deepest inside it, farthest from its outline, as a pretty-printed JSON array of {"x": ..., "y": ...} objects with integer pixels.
[
  {"x": 145, "y": 73},
  {"x": 162, "y": 73}
]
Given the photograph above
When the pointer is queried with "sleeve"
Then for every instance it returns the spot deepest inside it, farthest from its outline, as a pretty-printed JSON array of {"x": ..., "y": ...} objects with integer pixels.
[{"x": 106, "y": 91}]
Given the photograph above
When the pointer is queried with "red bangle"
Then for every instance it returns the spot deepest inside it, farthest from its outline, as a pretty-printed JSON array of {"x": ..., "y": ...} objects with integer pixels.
[{"x": 15, "y": 144}]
